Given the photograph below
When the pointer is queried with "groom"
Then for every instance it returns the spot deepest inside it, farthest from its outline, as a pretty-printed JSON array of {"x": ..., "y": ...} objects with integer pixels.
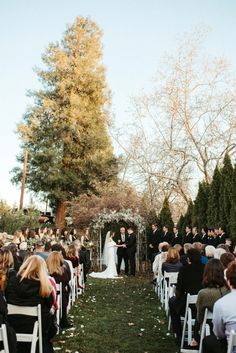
[
  {"x": 122, "y": 251},
  {"x": 131, "y": 249}
]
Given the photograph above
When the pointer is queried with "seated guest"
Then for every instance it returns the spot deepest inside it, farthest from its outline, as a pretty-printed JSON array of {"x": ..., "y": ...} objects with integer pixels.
[
  {"x": 17, "y": 261},
  {"x": 72, "y": 255},
  {"x": 218, "y": 252},
  {"x": 199, "y": 246},
  {"x": 215, "y": 287},
  {"x": 6, "y": 263},
  {"x": 56, "y": 269},
  {"x": 22, "y": 250},
  {"x": 30, "y": 287},
  {"x": 159, "y": 259},
  {"x": 189, "y": 281},
  {"x": 209, "y": 251},
  {"x": 183, "y": 253},
  {"x": 226, "y": 259},
  {"x": 172, "y": 263},
  {"x": 224, "y": 317}
]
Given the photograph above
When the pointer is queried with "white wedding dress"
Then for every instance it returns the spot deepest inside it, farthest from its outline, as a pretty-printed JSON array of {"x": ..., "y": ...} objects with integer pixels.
[{"x": 110, "y": 271}]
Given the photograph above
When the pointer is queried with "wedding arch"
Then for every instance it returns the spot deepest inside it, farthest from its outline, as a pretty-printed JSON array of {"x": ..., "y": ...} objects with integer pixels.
[{"x": 112, "y": 216}]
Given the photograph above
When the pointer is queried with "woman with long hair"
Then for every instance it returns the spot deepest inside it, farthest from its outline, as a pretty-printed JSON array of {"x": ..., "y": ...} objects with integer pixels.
[
  {"x": 6, "y": 263},
  {"x": 30, "y": 287},
  {"x": 56, "y": 269},
  {"x": 215, "y": 287}
]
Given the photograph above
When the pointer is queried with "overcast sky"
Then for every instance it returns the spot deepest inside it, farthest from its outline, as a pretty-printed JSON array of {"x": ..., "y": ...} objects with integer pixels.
[{"x": 137, "y": 33}]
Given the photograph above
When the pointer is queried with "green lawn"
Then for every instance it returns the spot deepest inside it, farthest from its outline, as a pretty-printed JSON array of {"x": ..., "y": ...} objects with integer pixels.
[{"x": 117, "y": 316}]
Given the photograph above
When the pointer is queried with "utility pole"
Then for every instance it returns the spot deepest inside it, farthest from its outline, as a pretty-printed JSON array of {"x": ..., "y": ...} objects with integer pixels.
[{"x": 23, "y": 180}]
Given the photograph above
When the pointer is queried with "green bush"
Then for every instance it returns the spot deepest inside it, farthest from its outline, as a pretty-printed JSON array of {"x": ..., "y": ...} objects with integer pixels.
[{"x": 12, "y": 219}]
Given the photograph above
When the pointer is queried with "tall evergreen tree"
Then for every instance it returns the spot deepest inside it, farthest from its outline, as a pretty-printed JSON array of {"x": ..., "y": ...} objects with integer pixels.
[
  {"x": 65, "y": 131},
  {"x": 181, "y": 224},
  {"x": 213, "y": 209},
  {"x": 188, "y": 217},
  {"x": 164, "y": 217},
  {"x": 226, "y": 192},
  {"x": 199, "y": 218},
  {"x": 232, "y": 220}
]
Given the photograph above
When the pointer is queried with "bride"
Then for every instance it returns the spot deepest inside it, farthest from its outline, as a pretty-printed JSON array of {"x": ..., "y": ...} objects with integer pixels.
[{"x": 109, "y": 258}]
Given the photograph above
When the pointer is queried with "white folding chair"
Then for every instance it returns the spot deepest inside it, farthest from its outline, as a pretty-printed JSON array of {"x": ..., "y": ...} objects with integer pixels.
[
  {"x": 36, "y": 334},
  {"x": 188, "y": 322},
  {"x": 71, "y": 284},
  {"x": 3, "y": 338},
  {"x": 81, "y": 279},
  {"x": 205, "y": 328},
  {"x": 59, "y": 302},
  {"x": 170, "y": 280},
  {"x": 232, "y": 342}
]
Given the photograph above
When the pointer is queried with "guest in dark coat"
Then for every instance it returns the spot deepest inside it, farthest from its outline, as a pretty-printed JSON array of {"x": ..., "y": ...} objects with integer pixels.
[
  {"x": 167, "y": 236},
  {"x": 172, "y": 263},
  {"x": 30, "y": 287},
  {"x": 56, "y": 269},
  {"x": 189, "y": 281},
  {"x": 177, "y": 237},
  {"x": 188, "y": 238},
  {"x": 204, "y": 236},
  {"x": 196, "y": 237},
  {"x": 154, "y": 241}
]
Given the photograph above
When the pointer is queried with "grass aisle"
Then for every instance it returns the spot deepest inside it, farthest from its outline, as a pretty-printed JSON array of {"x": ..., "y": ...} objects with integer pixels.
[{"x": 117, "y": 316}]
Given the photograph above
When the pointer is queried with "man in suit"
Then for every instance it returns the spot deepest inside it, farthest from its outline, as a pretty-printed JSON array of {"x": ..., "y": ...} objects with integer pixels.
[
  {"x": 122, "y": 251},
  {"x": 155, "y": 240},
  {"x": 196, "y": 236},
  {"x": 189, "y": 235},
  {"x": 131, "y": 249},
  {"x": 177, "y": 238},
  {"x": 204, "y": 235},
  {"x": 167, "y": 236},
  {"x": 222, "y": 235}
]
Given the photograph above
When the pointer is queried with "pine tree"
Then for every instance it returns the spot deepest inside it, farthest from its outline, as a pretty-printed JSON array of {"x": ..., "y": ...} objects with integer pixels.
[
  {"x": 188, "y": 217},
  {"x": 181, "y": 224},
  {"x": 164, "y": 217},
  {"x": 199, "y": 217},
  {"x": 226, "y": 192},
  {"x": 232, "y": 221},
  {"x": 65, "y": 131},
  {"x": 213, "y": 209}
]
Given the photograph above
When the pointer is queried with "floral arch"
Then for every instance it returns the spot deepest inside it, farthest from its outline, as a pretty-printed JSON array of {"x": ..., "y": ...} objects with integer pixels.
[{"x": 110, "y": 216}]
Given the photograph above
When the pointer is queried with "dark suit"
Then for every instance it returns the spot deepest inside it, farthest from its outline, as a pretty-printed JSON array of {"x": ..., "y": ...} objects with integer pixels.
[
  {"x": 204, "y": 239},
  {"x": 122, "y": 253},
  {"x": 196, "y": 238},
  {"x": 167, "y": 237},
  {"x": 188, "y": 238},
  {"x": 131, "y": 250},
  {"x": 222, "y": 238},
  {"x": 177, "y": 239},
  {"x": 155, "y": 240}
]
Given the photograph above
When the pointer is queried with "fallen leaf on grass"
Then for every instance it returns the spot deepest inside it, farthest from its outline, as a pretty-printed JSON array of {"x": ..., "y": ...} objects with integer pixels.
[{"x": 130, "y": 324}]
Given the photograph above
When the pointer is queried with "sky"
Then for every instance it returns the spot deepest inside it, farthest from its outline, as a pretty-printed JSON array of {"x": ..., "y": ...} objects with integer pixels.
[{"x": 137, "y": 33}]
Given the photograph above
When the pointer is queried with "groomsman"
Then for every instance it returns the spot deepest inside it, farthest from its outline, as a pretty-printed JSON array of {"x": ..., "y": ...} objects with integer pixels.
[
  {"x": 167, "y": 236},
  {"x": 177, "y": 238},
  {"x": 204, "y": 235},
  {"x": 189, "y": 235},
  {"x": 122, "y": 252},
  {"x": 222, "y": 235},
  {"x": 131, "y": 249},
  {"x": 196, "y": 236},
  {"x": 155, "y": 240}
]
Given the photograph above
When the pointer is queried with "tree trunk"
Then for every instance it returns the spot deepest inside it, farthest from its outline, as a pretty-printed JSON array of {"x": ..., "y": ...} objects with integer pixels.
[{"x": 60, "y": 215}]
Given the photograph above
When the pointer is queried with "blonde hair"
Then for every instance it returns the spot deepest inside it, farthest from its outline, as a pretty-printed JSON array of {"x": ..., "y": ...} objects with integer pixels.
[
  {"x": 55, "y": 263},
  {"x": 35, "y": 268},
  {"x": 6, "y": 261}
]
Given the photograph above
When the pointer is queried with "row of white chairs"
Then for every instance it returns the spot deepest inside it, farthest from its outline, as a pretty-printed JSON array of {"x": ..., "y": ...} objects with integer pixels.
[
  {"x": 165, "y": 288},
  {"x": 35, "y": 311}
]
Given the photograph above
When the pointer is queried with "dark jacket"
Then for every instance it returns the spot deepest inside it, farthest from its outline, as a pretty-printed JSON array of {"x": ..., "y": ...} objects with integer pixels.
[
  {"x": 190, "y": 279},
  {"x": 121, "y": 251},
  {"x": 131, "y": 244},
  {"x": 26, "y": 293}
]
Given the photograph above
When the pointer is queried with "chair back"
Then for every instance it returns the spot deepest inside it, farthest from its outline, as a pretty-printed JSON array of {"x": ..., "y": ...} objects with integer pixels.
[
  {"x": 188, "y": 320},
  {"x": 36, "y": 335},
  {"x": 3, "y": 338},
  {"x": 205, "y": 329}
]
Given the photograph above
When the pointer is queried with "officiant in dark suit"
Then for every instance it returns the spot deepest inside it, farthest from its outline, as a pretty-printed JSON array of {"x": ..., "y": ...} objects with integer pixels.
[
  {"x": 131, "y": 249},
  {"x": 121, "y": 239}
]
